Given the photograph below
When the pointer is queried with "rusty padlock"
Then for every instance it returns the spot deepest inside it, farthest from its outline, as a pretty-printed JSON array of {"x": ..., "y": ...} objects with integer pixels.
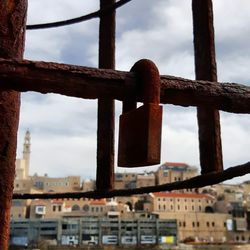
[{"x": 140, "y": 128}]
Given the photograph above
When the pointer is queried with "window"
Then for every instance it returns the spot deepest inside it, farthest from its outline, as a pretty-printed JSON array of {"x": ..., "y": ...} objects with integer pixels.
[
  {"x": 193, "y": 224},
  {"x": 178, "y": 207},
  {"x": 59, "y": 208},
  {"x": 199, "y": 208},
  {"x": 159, "y": 207},
  {"x": 193, "y": 208},
  {"x": 208, "y": 224},
  {"x": 164, "y": 207},
  {"x": 185, "y": 207},
  {"x": 184, "y": 224},
  {"x": 85, "y": 208},
  {"x": 213, "y": 224},
  {"x": 54, "y": 208},
  {"x": 75, "y": 208},
  {"x": 198, "y": 223},
  {"x": 40, "y": 209}
]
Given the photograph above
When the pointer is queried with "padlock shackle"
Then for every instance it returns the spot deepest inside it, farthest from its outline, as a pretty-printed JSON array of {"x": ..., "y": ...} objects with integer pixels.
[{"x": 148, "y": 81}]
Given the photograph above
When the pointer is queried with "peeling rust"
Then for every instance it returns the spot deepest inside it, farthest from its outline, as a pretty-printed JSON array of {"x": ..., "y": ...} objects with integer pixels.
[
  {"x": 12, "y": 19},
  {"x": 106, "y": 106},
  {"x": 205, "y": 69}
]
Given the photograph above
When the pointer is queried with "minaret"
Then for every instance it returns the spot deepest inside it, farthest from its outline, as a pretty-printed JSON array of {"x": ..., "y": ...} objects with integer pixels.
[{"x": 26, "y": 153}]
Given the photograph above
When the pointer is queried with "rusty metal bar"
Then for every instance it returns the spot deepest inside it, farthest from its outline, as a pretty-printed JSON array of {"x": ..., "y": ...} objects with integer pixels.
[
  {"x": 195, "y": 182},
  {"x": 106, "y": 106},
  {"x": 12, "y": 29},
  {"x": 92, "y": 83},
  {"x": 205, "y": 69}
]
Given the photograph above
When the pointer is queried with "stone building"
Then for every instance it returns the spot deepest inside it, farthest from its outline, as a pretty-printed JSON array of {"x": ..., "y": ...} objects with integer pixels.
[
  {"x": 200, "y": 226},
  {"x": 59, "y": 184},
  {"x": 145, "y": 180},
  {"x": 125, "y": 180},
  {"x": 23, "y": 164},
  {"x": 58, "y": 208},
  {"x": 19, "y": 209},
  {"x": 181, "y": 202},
  {"x": 174, "y": 171},
  {"x": 194, "y": 214},
  {"x": 88, "y": 185}
]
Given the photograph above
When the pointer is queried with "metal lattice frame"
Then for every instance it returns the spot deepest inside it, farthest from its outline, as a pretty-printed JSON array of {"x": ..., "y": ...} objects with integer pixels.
[{"x": 106, "y": 84}]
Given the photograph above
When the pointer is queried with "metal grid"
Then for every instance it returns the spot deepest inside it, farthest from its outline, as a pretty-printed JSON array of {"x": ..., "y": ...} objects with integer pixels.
[{"x": 106, "y": 84}]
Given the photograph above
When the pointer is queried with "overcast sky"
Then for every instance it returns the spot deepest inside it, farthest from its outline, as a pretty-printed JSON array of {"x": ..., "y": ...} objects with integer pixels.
[{"x": 63, "y": 129}]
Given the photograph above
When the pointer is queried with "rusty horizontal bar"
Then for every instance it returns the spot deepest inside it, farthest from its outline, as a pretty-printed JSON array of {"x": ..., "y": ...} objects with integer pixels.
[
  {"x": 195, "y": 182},
  {"x": 92, "y": 83}
]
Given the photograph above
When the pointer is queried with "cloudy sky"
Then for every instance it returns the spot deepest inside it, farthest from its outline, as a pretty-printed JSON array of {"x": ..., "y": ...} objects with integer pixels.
[{"x": 63, "y": 129}]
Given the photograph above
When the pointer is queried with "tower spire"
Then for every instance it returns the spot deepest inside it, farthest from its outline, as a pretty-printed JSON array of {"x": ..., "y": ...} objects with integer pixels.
[{"x": 26, "y": 152}]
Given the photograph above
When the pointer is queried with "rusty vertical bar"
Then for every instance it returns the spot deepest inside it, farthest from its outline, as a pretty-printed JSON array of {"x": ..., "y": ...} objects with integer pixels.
[
  {"x": 12, "y": 32},
  {"x": 106, "y": 126},
  {"x": 205, "y": 69}
]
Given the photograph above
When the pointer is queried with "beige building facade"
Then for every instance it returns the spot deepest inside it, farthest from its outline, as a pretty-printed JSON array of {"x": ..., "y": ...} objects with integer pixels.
[
  {"x": 23, "y": 164},
  {"x": 202, "y": 227},
  {"x": 174, "y": 171},
  {"x": 181, "y": 202}
]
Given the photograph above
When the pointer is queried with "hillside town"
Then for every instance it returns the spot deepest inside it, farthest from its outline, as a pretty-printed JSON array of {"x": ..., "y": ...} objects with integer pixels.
[{"x": 212, "y": 214}]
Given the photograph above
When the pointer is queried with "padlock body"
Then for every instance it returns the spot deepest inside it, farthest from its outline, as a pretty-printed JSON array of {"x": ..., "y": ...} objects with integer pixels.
[{"x": 140, "y": 136}]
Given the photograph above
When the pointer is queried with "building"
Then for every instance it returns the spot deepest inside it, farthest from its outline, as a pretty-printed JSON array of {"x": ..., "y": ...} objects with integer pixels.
[
  {"x": 125, "y": 180},
  {"x": 94, "y": 231},
  {"x": 174, "y": 171},
  {"x": 181, "y": 202},
  {"x": 194, "y": 214},
  {"x": 145, "y": 180},
  {"x": 23, "y": 164},
  {"x": 25, "y": 183},
  {"x": 166, "y": 173},
  {"x": 59, "y": 184}
]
